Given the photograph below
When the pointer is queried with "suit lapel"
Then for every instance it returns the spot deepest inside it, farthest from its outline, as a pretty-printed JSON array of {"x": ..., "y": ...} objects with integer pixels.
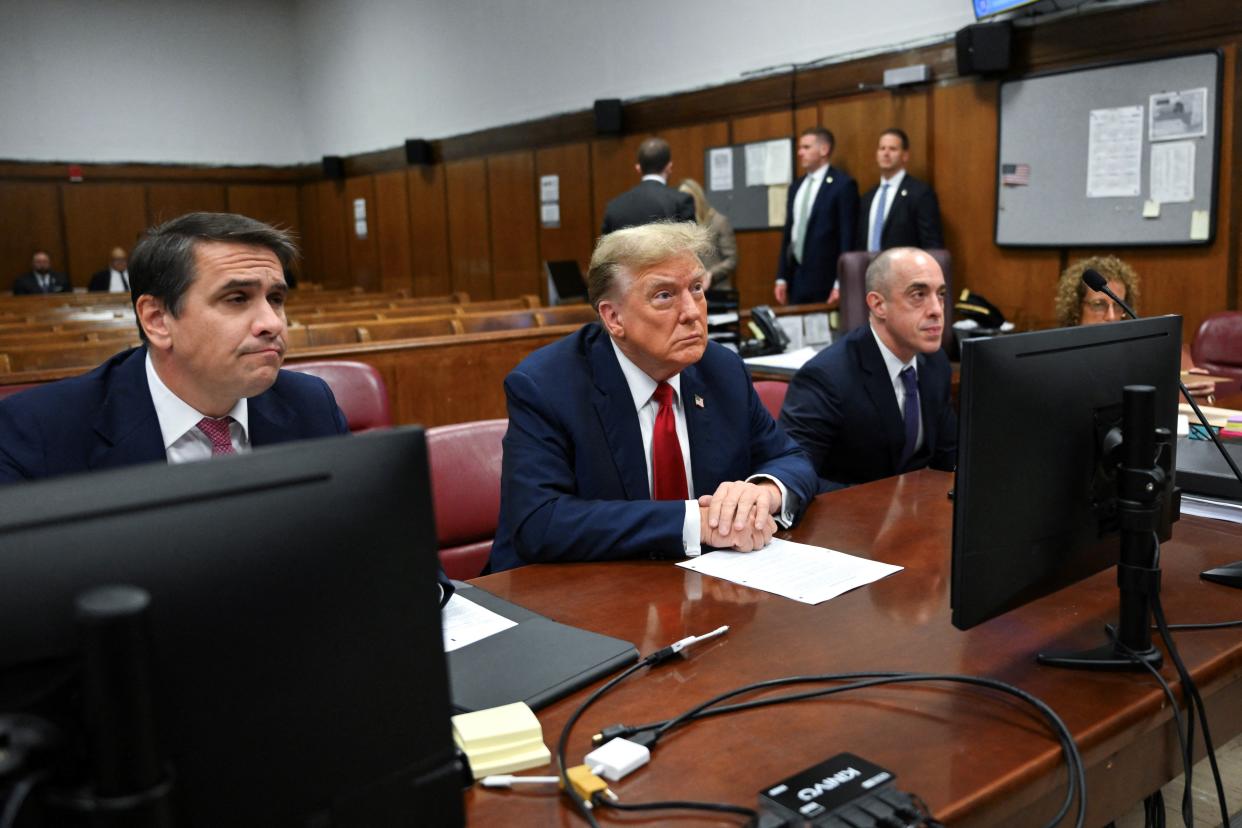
[
  {"x": 126, "y": 423},
  {"x": 928, "y": 407},
  {"x": 270, "y": 419},
  {"x": 879, "y": 389},
  {"x": 699, "y": 422},
  {"x": 614, "y": 405}
]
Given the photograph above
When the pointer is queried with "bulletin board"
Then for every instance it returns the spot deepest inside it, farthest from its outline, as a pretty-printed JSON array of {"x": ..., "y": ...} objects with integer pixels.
[
  {"x": 749, "y": 183},
  {"x": 1122, "y": 154}
]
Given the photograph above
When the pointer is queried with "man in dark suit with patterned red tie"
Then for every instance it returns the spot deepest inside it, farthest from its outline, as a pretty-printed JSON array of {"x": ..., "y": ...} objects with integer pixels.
[
  {"x": 876, "y": 403},
  {"x": 635, "y": 437}
]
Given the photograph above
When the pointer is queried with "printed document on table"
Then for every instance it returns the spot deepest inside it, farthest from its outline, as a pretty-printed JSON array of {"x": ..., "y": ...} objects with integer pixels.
[
  {"x": 465, "y": 622},
  {"x": 793, "y": 359},
  {"x": 810, "y": 574}
]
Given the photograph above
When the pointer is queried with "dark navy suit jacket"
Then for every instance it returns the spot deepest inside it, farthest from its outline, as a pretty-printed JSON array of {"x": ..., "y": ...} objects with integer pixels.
[
  {"x": 829, "y": 233},
  {"x": 105, "y": 419},
  {"x": 841, "y": 408},
  {"x": 574, "y": 478},
  {"x": 647, "y": 202},
  {"x": 913, "y": 220}
]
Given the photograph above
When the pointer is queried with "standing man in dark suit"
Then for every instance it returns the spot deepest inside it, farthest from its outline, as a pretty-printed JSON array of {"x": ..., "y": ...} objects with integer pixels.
[
  {"x": 652, "y": 199},
  {"x": 819, "y": 223},
  {"x": 115, "y": 277},
  {"x": 41, "y": 278},
  {"x": 636, "y": 437},
  {"x": 900, "y": 211},
  {"x": 876, "y": 403},
  {"x": 209, "y": 292}
]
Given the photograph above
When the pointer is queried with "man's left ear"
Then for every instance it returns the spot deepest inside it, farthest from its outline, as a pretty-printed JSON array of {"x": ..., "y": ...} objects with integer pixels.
[{"x": 153, "y": 317}]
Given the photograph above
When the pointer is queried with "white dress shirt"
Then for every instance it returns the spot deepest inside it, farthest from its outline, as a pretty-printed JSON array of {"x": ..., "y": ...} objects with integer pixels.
[
  {"x": 890, "y": 195},
  {"x": 895, "y": 366},
  {"x": 807, "y": 192},
  {"x": 118, "y": 281},
  {"x": 183, "y": 441},
  {"x": 642, "y": 389}
]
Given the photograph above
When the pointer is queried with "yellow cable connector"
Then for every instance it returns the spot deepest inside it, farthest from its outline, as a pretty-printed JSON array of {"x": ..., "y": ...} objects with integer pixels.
[{"x": 587, "y": 784}]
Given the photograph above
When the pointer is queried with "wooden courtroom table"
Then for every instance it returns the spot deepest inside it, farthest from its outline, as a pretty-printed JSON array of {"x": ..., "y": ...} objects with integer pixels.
[{"x": 978, "y": 758}]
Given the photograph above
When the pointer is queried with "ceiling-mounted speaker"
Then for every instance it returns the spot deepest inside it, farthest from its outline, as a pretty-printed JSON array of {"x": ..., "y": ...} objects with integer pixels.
[
  {"x": 417, "y": 151},
  {"x": 983, "y": 48},
  {"x": 608, "y": 116}
]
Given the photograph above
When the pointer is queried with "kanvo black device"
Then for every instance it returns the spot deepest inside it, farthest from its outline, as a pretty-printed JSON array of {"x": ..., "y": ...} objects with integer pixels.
[{"x": 843, "y": 790}]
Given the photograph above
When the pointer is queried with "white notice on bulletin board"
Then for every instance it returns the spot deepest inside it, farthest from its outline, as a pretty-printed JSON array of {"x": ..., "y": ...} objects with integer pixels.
[
  {"x": 549, "y": 188},
  {"x": 1115, "y": 152},
  {"x": 721, "y": 173},
  {"x": 1173, "y": 172}
]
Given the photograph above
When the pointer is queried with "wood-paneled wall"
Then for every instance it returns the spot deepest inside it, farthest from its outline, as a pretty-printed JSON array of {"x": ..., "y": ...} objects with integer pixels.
[{"x": 470, "y": 222}]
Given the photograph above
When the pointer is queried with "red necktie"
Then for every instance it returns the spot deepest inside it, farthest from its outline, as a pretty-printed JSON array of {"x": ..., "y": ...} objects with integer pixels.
[
  {"x": 668, "y": 470},
  {"x": 217, "y": 432}
]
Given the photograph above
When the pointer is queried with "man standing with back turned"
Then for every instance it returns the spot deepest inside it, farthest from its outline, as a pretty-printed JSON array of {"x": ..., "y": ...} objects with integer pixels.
[
  {"x": 209, "y": 292},
  {"x": 652, "y": 199},
  {"x": 876, "y": 403},
  {"x": 819, "y": 224},
  {"x": 636, "y": 437}
]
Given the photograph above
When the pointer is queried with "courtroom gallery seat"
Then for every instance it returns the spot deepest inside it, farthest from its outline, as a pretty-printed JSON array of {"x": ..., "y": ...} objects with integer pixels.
[
  {"x": 1217, "y": 347},
  {"x": 566, "y": 315},
  {"x": 359, "y": 390},
  {"x": 851, "y": 279},
  {"x": 465, "y": 486},
  {"x": 772, "y": 395}
]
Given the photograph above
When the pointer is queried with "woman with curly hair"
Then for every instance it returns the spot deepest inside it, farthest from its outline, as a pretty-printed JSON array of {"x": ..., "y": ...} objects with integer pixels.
[{"x": 1078, "y": 304}]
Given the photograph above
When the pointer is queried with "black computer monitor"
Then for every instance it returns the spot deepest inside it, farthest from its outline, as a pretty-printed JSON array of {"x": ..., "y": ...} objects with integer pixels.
[
  {"x": 297, "y": 658},
  {"x": 1035, "y": 498},
  {"x": 565, "y": 282}
]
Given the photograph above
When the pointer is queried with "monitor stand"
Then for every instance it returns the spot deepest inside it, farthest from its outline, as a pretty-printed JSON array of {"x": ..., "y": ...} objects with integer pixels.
[
  {"x": 1141, "y": 485},
  {"x": 1229, "y": 575}
]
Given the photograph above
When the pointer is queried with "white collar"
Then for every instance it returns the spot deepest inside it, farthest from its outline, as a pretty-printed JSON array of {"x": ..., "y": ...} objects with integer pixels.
[
  {"x": 656, "y": 177},
  {"x": 894, "y": 365},
  {"x": 820, "y": 174},
  {"x": 896, "y": 180},
  {"x": 641, "y": 385},
  {"x": 176, "y": 416}
]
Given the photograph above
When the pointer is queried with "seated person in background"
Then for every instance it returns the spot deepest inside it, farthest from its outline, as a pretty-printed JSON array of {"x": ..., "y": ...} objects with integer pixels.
[
  {"x": 41, "y": 278},
  {"x": 115, "y": 277},
  {"x": 876, "y": 403},
  {"x": 617, "y": 428},
  {"x": 1078, "y": 304},
  {"x": 721, "y": 256},
  {"x": 210, "y": 291}
]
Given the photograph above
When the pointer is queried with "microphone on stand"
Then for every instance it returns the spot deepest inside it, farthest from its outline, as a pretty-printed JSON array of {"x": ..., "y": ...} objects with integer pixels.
[{"x": 1230, "y": 574}]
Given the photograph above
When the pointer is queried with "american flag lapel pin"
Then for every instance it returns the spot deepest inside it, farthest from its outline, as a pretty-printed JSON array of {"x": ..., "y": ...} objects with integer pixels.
[{"x": 698, "y": 401}]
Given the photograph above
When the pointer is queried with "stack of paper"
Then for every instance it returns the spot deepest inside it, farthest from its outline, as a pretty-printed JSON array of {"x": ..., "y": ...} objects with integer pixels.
[{"x": 501, "y": 739}]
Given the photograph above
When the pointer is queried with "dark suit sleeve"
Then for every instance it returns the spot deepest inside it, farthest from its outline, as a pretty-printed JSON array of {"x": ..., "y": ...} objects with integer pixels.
[
  {"x": 931, "y": 237},
  {"x": 778, "y": 455},
  {"x": 944, "y": 455},
  {"x": 812, "y": 415},
  {"x": 549, "y": 521},
  {"x": 864, "y": 220},
  {"x": 847, "y": 218},
  {"x": 606, "y": 227},
  {"x": 685, "y": 207}
]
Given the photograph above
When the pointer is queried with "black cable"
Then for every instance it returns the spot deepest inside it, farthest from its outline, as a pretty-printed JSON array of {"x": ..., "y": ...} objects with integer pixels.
[
  {"x": 677, "y": 805},
  {"x": 1215, "y": 625},
  {"x": 562, "y": 770},
  {"x": 1191, "y": 691},
  {"x": 1077, "y": 774},
  {"x": 1187, "y": 750},
  {"x": 17, "y": 797}
]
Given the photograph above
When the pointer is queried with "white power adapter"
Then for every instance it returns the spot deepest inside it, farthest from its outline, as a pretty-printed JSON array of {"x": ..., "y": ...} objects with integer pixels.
[{"x": 617, "y": 759}]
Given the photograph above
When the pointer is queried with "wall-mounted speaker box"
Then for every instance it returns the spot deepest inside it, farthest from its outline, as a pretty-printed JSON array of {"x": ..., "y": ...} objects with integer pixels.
[
  {"x": 608, "y": 116},
  {"x": 984, "y": 48},
  {"x": 417, "y": 151},
  {"x": 333, "y": 167}
]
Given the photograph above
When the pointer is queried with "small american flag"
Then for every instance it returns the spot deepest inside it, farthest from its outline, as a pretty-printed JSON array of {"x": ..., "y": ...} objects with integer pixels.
[{"x": 1015, "y": 175}]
